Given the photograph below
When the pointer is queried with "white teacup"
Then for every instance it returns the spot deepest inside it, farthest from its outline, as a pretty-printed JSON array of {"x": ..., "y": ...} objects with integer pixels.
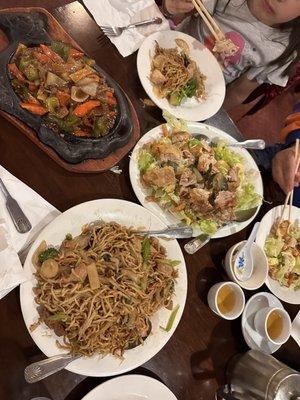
[
  {"x": 274, "y": 324},
  {"x": 226, "y": 299}
]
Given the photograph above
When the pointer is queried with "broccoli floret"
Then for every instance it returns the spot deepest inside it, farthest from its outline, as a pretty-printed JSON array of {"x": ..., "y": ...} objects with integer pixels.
[{"x": 48, "y": 253}]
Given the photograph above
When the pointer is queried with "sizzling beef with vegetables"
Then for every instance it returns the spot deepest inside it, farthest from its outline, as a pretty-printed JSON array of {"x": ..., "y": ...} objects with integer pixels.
[{"x": 60, "y": 83}]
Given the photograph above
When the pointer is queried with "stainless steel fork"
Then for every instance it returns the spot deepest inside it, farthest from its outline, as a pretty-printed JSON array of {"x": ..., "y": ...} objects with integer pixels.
[
  {"x": 114, "y": 31},
  {"x": 18, "y": 217}
]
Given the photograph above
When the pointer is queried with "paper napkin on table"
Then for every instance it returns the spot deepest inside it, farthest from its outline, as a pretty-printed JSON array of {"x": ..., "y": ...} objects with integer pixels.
[
  {"x": 14, "y": 245},
  {"x": 125, "y": 12}
]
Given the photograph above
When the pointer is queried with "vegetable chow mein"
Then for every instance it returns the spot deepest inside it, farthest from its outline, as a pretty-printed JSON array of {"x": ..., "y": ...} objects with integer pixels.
[
  {"x": 100, "y": 289},
  {"x": 175, "y": 75}
]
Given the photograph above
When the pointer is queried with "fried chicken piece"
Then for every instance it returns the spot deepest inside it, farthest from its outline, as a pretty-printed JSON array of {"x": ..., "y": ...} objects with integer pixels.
[
  {"x": 225, "y": 199},
  {"x": 199, "y": 199},
  {"x": 189, "y": 159},
  {"x": 233, "y": 179},
  {"x": 157, "y": 77},
  {"x": 188, "y": 178},
  {"x": 204, "y": 162},
  {"x": 160, "y": 177},
  {"x": 167, "y": 152},
  {"x": 180, "y": 137}
]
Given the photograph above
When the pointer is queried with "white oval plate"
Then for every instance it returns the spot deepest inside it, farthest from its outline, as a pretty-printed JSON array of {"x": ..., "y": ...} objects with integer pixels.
[
  {"x": 168, "y": 218},
  {"x": 253, "y": 339},
  {"x": 71, "y": 221},
  {"x": 131, "y": 387},
  {"x": 283, "y": 293},
  {"x": 190, "y": 109}
]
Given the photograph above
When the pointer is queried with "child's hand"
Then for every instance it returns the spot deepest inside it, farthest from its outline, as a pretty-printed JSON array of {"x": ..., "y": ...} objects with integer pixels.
[
  {"x": 283, "y": 169},
  {"x": 178, "y": 6}
]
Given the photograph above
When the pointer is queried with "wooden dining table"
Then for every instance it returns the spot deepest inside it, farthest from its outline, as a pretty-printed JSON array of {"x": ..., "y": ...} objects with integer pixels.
[{"x": 193, "y": 363}]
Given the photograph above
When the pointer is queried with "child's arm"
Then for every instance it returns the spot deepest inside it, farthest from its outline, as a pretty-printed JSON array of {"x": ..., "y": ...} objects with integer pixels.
[{"x": 238, "y": 91}]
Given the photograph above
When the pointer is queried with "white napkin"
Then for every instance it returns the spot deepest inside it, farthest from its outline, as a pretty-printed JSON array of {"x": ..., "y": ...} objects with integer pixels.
[
  {"x": 38, "y": 211},
  {"x": 125, "y": 12}
]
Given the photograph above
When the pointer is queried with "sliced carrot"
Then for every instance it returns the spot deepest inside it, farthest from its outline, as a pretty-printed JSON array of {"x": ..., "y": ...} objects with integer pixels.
[
  {"x": 51, "y": 54},
  {"x": 42, "y": 58},
  {"x": 14, "y": 70},
  {"x": 80, "y": 133},
  {"x": 34, "y": 108},
  {"x": 109, "y": 94},
  {"x": 32, "y": 86},
  {"x": 75, "y": 53},
  {"x": 111, "y": 101},
  {"x": 63, "y": 97},
  {"x": 83, "y": 109}
]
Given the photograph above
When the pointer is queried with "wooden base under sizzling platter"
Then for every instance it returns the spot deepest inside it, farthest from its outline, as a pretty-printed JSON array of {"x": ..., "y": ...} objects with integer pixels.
[{"x": 57, "y": 32}]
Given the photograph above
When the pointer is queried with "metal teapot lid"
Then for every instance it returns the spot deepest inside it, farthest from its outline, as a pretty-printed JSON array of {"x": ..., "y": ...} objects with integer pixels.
[{"x": 284, "y": 386}]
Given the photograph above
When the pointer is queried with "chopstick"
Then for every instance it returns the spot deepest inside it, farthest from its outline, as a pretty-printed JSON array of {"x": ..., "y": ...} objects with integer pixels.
[
  {"x": 290, "y": 195},
  {"x": 208, "y": 19}
]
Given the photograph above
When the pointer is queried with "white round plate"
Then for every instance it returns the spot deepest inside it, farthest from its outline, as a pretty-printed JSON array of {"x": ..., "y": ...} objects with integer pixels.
[
  {"x": 253, "y": 339},
  {"x": 168, "y": 218},
  {"x": 131, "y": 387},
  {"x": 190, "y": 109},
  {"x": 283, "y": 293},
  {"x": 71, "y": 221}
]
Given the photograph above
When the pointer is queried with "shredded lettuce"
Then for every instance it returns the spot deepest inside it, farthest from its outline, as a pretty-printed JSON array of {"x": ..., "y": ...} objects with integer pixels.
[
  {"x": 273, "y": 247},
  {"x": 207, "y": 226},
  {"x": 193, "y": 143},
  {"x": 146, "y": 161},
  {"x": 184, "y": 216},
  {"x": 247, "y": 197},
  {"x": 176, "y": 124},
  {"x": 222, "y": 152}
]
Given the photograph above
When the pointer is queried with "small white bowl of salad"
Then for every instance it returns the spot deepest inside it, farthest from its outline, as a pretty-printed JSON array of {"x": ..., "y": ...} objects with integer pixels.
[{"x": 280, "y": 239}]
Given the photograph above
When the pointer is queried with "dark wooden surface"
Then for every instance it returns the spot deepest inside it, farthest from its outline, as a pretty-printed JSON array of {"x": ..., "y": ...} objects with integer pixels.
[{"x": 193, "y": 363}]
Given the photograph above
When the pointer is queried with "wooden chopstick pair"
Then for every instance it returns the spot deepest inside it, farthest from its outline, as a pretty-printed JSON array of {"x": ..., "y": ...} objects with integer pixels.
[
  {"x": 290, "y": 195},
  {"x": 209, "y": 21}
]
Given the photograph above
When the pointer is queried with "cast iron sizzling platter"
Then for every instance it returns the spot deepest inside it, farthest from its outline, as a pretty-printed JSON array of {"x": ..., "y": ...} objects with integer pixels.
[{"x": 31, "y": 29}]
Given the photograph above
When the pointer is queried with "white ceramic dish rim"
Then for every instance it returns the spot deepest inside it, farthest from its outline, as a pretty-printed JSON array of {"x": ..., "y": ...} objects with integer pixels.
[
  {"x": 283, "y": 293},
  {"x": 190, "y": 110},
  {"x": 194, "y": 127},
  {"x": 71, "y": 221},
  {"x": 149, "y": 387}
]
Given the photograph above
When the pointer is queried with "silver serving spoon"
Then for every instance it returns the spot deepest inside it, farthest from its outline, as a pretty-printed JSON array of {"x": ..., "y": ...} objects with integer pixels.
[
  {"x": 243, "y": 264},
  {"x": 41, "y": 369},
  {"x": 197, "y": 243},
  {"x": 253, "y": 144},
  {"x": 172, "y": 232}
]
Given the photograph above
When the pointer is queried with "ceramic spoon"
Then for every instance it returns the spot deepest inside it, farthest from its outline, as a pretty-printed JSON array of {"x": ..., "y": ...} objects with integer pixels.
[{"x": 243, "y": 264}]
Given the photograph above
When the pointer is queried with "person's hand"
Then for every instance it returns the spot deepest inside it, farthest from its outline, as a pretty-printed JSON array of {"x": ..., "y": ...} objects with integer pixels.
[
  {"x": 176, "y": 7},
  {"x": 283, "y": 169}
]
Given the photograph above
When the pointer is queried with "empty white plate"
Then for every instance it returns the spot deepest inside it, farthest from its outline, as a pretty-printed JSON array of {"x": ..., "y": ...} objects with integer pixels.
[{"x": 131, "y": 387}]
